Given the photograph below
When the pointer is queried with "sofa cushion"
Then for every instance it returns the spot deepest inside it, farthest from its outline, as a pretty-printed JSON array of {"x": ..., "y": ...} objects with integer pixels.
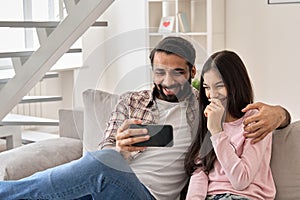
[
  {"x": 98, "y": 106},
  {"x": 285, "y": 162},
  {"x": 71, "y": 123},
  {"x": 18, "y": 163}
]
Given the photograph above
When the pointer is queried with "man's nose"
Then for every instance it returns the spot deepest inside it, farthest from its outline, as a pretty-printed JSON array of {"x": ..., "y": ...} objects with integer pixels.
[{"x": 168, "y": 80}]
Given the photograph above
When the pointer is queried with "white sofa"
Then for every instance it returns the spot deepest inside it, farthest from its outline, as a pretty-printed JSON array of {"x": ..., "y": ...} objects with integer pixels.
[{"x": 82, "y": 131}]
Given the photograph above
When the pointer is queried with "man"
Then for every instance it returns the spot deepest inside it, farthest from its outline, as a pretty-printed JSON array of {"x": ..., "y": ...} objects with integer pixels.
[{"x": 123, "y": 171}]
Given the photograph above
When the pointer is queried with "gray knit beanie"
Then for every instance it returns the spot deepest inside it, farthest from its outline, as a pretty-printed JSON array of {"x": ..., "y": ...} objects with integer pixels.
[{"x": 178, "y": 46}]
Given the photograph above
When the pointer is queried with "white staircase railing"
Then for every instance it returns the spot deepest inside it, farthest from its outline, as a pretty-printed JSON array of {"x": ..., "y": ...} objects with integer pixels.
[{"x": 80, "y": 17}]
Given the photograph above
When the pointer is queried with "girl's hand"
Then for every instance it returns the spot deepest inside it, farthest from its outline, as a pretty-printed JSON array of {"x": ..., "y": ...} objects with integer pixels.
[{"x": 214, "y": 113}]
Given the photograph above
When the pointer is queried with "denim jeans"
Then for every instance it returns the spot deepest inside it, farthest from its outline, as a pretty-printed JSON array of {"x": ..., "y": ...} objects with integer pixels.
[
  {"x": 226, "y": 196},
  {"x": 97, "y": 175}
]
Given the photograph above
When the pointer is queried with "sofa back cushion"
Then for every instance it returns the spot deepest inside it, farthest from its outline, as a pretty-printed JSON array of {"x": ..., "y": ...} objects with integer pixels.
[
  {"x": 98, "y": 106},
  {"x": 285, "y": 162}
]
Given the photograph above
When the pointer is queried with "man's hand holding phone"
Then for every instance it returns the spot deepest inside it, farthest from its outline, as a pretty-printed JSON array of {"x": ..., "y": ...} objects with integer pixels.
[
  {"x": 133, "y": 136},
  {"x": 125, "y": 139}
]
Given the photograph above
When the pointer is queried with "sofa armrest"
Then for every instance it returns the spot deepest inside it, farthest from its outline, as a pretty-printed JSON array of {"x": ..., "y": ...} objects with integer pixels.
[
  {"x": 285, "y": 162},
  {"x": 26, "y": 160}
]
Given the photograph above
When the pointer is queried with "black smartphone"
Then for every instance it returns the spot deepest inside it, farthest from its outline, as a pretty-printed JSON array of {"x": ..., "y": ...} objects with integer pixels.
[{"x": 160, "y": 135}]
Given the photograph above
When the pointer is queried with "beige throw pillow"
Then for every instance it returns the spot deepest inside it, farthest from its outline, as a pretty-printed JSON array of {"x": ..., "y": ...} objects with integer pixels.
[{"x": 98, "y": 106}]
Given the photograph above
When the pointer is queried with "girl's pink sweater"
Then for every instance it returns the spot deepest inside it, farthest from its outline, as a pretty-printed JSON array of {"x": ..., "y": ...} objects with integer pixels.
[{"x": 241, "y": 168}]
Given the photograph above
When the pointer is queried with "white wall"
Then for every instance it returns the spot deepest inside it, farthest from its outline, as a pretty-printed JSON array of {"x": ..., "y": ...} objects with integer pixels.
[
  {"x": 115, "y": 57},
  {"x": 267, "y": 37}
]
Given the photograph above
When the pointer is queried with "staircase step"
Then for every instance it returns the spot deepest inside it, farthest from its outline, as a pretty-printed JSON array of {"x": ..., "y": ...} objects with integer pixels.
[
  {"x": 51, "y": 75},
  {"x": 6, "y": 74},
  {"x": 28, "y": 53},
  {"x": 23, "y": 120},
  {"x": 35, "y": 99},
  {"x": 39, "y": 24}
]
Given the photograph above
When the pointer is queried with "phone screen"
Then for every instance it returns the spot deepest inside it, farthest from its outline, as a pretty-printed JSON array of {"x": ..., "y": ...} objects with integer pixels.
[{"x": 160, "y": 135}]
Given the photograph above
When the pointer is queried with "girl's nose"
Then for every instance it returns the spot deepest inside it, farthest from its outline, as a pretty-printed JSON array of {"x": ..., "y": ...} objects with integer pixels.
[{"x": 213, "y": 93}]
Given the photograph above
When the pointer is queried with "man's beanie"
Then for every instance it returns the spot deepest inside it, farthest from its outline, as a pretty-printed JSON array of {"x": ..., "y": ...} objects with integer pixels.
[{"x": 178, "y": 46}]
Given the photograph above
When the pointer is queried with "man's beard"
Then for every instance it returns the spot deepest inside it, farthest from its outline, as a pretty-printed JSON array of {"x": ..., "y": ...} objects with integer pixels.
[{"x": 185, "y": 90}]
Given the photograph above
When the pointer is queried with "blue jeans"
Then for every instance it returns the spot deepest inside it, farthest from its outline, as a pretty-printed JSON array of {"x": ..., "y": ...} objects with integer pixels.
[
  {"x": 97, "y": 175},
  {"x": 226, "y": 196}
]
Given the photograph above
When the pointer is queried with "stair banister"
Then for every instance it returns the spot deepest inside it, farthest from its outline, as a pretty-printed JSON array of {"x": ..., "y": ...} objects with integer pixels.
[{"x": 85, "y": 13}]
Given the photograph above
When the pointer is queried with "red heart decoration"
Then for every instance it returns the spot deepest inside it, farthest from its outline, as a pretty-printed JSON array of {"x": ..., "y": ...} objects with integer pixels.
[{"x": 166, "y": 24}]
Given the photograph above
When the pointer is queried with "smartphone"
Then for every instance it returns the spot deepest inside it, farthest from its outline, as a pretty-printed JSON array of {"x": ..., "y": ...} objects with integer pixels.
[{"x": 160, "y": 135}]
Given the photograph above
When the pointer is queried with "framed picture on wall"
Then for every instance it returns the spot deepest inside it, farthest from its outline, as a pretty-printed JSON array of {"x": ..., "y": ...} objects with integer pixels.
[{"x": 282, "y": 1}]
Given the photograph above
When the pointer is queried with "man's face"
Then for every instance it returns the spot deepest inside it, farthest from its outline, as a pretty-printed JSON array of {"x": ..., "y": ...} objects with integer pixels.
[{"x": 171, "y": 76}]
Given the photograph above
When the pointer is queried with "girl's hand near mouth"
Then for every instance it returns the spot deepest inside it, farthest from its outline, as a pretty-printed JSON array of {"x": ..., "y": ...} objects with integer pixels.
[{"x": 214, "y": 113}]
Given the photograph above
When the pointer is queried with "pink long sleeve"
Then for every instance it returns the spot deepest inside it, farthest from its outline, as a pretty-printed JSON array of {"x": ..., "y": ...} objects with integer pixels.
[
  {"x": 198, "y": 186},
  {"x": 241, "y": 167}
]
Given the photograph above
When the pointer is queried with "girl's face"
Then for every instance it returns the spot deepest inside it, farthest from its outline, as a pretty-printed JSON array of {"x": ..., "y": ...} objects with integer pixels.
[{"x": 214, "y": 86}]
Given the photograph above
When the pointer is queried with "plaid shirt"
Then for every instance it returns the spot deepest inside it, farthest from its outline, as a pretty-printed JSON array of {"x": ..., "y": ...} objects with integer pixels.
[{"x": 142, "y": 105}]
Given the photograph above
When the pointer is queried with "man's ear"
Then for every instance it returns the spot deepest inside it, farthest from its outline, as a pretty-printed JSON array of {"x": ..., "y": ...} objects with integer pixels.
[{"x": 193, "y": 71}]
